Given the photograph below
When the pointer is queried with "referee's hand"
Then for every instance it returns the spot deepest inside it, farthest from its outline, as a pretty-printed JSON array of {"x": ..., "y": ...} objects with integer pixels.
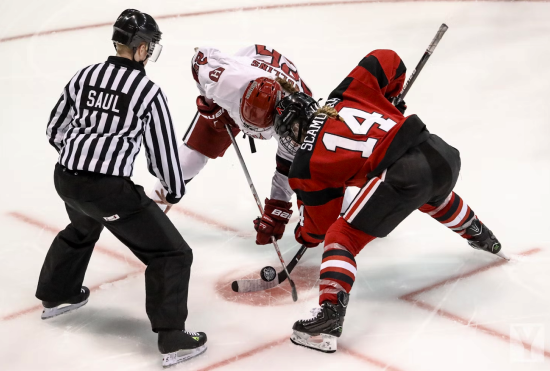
[{"x": 163, "y": 201}]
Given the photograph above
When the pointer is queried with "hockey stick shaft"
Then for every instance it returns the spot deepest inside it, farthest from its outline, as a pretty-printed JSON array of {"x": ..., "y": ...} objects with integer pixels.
[
  {"x": 282, "y": 274},
  {"x": 259, "y": 203},
  {"x": 254, "y": 285},
  {"x": 442, "y": 29}
]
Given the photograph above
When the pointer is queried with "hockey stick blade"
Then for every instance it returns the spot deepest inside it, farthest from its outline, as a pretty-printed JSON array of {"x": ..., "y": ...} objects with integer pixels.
[
  {"x": 254, "y": 285},
  {"x": 293, "y": 289}
]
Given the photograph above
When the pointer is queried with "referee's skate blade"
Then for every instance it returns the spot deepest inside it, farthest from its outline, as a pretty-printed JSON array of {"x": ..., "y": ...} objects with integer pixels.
[
  {"x": 48, "y": 313},
  {"x": 323, "y": 342},
  {"x": 170, "y": 359}
]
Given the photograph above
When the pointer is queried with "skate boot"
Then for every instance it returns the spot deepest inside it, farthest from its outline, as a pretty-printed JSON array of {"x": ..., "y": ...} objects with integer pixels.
[
  {"x": 482, "y": 238},
  {"x": 55, "y": 308},
  {"x": 321, "y": 331},
  {"x": 178, "y": 346}
]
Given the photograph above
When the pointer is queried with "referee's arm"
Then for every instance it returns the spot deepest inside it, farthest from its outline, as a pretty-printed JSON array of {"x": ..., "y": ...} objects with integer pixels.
[
  {"x": 60, "y": 119},
  {"x": 162, "y": 150}
]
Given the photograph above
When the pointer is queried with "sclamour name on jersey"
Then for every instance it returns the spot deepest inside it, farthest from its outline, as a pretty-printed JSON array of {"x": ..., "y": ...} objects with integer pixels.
[{"x": 312, "y": 131}]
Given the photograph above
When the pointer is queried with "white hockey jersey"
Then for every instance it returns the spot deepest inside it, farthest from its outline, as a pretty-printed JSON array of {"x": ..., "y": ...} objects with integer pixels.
[{"x": 224, "y": 78}]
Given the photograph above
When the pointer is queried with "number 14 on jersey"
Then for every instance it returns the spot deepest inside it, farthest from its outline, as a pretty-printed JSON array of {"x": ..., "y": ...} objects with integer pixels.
[{"x": 352, "y": 117}]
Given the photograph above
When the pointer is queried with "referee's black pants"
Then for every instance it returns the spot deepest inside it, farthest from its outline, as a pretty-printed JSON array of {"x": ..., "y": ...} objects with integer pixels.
[{"x": 94, "y": 201}]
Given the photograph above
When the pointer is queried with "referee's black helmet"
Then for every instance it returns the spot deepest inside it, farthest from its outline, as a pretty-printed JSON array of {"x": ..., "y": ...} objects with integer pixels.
[{"x": 133, "y": 27}]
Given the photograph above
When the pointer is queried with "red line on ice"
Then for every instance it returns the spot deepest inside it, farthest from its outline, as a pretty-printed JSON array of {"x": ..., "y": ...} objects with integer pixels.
[
  {"x": 410, "y": 298},
  {"x": 103, "y": 250},
  {"x": 244, "y": 355},
  {"x": 233, "y": 10},
  {"x": 275, "y": 343},
  {"x": 211, "y": 222},
  {"x": 39, "y": 306},
  {"x": 365, "y": 358}
]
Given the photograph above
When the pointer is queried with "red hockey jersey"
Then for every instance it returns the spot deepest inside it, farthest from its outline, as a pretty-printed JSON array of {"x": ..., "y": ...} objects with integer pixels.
[{"x": 338, "y": 154}]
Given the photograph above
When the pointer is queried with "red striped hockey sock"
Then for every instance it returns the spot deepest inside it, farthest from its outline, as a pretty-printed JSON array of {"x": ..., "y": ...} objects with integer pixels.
[
  {"x": 337, "y": 272},
  {"x": 453, "y": 213}
]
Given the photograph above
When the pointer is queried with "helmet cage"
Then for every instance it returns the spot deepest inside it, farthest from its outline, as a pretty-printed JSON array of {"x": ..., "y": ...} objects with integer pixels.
[
  {"x": 292, "y": 119},
  {"x": 289, "y": 144}
]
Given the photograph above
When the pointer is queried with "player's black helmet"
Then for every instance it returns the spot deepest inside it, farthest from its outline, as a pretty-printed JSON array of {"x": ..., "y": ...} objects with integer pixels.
[
  {"x": 293, "y": 115},
  {"x": 133, "y": 27}
]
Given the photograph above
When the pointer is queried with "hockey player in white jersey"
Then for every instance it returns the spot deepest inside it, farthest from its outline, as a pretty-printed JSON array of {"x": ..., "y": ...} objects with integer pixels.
[{"x": 241, "y": 91}]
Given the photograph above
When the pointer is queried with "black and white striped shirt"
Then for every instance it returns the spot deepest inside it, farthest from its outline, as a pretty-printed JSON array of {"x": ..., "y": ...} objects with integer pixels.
[{"x": 102, "y": 116}]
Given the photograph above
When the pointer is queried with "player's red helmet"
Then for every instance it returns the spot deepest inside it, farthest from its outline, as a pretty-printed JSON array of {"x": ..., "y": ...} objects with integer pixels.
[{"x": 258, "y": 103}]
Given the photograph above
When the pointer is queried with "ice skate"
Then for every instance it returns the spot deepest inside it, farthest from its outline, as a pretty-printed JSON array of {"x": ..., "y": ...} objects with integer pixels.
[
  {"x": 178, "y": 346},
  {"x": 55, "y": 308},
  {"x": 321, "y": 331},
  {"x": 482, "y": 238}
]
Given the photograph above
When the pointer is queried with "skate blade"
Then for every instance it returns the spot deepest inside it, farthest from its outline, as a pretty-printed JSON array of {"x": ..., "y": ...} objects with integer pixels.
[
  {"x": 323, "y": 342},
  {"x": 48, "y": 313},
  {"x": 170, "y": 359},
  {"x": 502, "y": 255}
]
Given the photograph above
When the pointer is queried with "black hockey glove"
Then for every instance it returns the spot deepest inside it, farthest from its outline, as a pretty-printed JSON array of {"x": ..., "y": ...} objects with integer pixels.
[{"x": 401, "y": 106}]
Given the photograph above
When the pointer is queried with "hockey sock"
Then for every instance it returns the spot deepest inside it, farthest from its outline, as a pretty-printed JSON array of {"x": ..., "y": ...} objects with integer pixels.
[
  {"x": 337, "y": 272},
  {"x": 453, "y": 213}
]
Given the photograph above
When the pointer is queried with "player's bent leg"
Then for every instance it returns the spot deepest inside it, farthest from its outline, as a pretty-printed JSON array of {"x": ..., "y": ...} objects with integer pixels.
[
  {"x": 454, "y": 213},
  {"x": 321, "y": 331},
  {"x": 191, "y": 162},
  {"x": 338, "y": 269},
  {"x": 349, "y": 196}
]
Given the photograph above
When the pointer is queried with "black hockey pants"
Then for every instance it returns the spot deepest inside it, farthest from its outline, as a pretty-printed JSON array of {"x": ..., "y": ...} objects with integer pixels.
[
  {"x": 425, "y": 174},
  {"x": 94, "y": 201}
]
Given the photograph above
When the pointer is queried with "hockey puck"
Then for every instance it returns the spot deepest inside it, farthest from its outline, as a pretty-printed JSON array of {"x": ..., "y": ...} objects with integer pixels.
[
  {"x": 235, "y": 286},
  {"x": 268, "y": 274}
]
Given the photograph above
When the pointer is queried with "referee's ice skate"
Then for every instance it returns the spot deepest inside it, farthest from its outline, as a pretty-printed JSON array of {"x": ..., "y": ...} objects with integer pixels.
[
  {"x": 52, "y": 309},
  {"x": 321, "y": 331},
  {"x": 178, "y": 346}
]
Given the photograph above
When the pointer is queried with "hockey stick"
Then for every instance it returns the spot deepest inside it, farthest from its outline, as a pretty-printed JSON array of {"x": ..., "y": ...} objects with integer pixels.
[
  {"x": 442, "y": 29},
  {"x": 260, "y": 285},
  {"x": 260, "y": 207}
]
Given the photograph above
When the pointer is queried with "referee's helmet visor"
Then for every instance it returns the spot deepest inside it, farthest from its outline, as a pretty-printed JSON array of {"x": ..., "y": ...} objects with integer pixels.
[{"x": 154, "y": 51}]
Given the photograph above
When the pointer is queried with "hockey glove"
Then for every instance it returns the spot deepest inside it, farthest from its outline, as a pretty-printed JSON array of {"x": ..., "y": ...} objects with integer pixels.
[
  {"x": 216, "y": 115},
  {"x": 401, "y": 106},
  {"x": 300, "y": 238},
  {"x": 272, "y": 223}
]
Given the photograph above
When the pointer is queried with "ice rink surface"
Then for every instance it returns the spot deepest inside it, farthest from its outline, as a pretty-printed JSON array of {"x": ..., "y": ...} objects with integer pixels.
[{"x": 423, "y": 299}]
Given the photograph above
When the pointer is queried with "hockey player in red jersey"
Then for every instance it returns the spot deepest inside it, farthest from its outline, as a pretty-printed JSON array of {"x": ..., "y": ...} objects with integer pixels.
[
  {"x": 241, "y": 91},
  {"x": 361, "y": 139}
]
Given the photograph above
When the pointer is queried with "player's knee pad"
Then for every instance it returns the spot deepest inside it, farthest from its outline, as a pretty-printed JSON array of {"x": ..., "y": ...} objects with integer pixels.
[
  {"x": 191, "y": 161},
  {"x": 343, "y": 233}
]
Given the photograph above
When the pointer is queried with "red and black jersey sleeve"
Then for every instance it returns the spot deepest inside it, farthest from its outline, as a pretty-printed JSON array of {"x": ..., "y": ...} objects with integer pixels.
[{"x": 381, "y": 70}]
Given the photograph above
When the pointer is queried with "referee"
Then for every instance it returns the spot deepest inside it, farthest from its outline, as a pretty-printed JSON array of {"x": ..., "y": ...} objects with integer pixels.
[{"x": 98, "y": 124}]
